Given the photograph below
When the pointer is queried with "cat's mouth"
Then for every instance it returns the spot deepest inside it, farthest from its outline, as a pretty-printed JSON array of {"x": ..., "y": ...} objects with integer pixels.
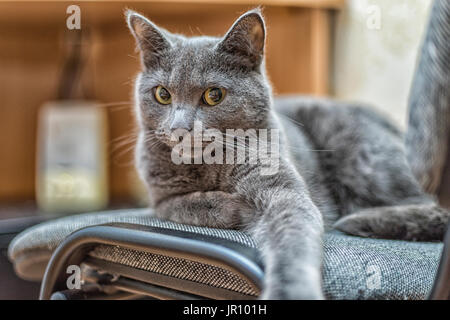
[
  {"x": 185, "y": 139},
  {"x": 186, "y": 147}
]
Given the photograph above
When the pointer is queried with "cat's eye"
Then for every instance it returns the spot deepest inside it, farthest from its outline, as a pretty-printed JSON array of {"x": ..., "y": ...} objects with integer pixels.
[
  {"x": 162, "y": 95},
  {"x": 213, "y": 96}
]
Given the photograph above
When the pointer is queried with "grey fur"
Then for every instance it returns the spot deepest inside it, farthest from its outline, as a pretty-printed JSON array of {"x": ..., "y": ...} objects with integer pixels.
[{"x": 340, "y": 160}]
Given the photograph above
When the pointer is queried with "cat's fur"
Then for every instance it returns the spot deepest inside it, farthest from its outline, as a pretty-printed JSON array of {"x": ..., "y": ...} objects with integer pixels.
[{"x": 340, "y": 161}]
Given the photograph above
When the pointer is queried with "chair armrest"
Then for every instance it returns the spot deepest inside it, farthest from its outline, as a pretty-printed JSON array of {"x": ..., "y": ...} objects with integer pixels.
[
  {"x": 441, "y": 286},
  {"x": 9, "y": 228},
  {"x": 237, "y": 259}
]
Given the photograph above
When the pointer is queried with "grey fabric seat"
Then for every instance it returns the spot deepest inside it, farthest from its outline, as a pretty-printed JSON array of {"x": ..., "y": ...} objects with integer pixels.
[{"x": 354, "y": 268}]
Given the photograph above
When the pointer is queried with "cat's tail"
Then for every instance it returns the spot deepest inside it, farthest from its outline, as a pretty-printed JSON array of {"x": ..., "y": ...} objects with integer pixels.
[{"x": 428, "y": 134}]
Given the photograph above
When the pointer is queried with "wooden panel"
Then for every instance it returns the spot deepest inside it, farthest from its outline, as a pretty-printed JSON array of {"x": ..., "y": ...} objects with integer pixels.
[
  {"x": 320, "y": 50},
  {"x": 323, "y": 4},
  {"x": 28, "y": 64},
  {"x": 31, "y": 55}
]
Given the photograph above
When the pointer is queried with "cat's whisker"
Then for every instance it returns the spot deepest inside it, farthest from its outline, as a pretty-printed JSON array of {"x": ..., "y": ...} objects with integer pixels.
[
  {"x": 132, "y": 134},
  {"x": 283, "y": 146},
  {"x": 122, "y": 145},
  {"x": 128, "y": 82},
  {"x": 118, "y": 161},
  {"x": 299, "y": 149},
  {"x": 290, "y": 119},
  {"x": 199, "y": 31},
  {"x": 111, "y": 104},
  {"x": 116, "y": 106},
  {"x": 190, "y": 29},
  {"x": 132, "y": 56},
  {"x": 122, "y": 150}
]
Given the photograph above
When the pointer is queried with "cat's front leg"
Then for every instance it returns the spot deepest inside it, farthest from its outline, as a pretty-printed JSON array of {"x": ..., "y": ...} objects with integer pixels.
[
  {"x": 290, "y": 238},
  {"x": 288, "y": 228},
  {"x": 214, "y": 209}
]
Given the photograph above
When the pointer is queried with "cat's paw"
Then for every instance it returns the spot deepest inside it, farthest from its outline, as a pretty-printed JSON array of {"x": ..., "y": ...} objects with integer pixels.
[
  {"x": 286, "y": 294},
  {"x": 294, "y": 290},
  {"x": 236, "y": 206},
  {"x": 362, "y": 225},
  {"x": 379, "y": 222}
]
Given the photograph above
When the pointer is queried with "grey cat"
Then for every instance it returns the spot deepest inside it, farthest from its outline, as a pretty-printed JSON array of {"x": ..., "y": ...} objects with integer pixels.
[{"x": 336, "y": 160}]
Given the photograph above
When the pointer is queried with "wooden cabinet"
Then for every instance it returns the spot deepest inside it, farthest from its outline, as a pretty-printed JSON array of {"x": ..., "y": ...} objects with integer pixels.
[{"x": 31, "y": 55}]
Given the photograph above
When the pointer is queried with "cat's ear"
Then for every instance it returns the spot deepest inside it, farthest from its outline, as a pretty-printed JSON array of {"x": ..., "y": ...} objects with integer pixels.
[
  {"x": 245, "y": 39},
  {"x": 150, "y": 40}
]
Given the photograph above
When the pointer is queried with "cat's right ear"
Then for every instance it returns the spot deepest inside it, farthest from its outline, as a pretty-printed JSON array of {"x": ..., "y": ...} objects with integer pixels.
[{"x": 149, "y": 38}]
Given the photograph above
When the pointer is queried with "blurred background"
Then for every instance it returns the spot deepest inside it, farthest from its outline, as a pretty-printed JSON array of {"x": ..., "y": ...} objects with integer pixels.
[{"x": 66, "y": 122}]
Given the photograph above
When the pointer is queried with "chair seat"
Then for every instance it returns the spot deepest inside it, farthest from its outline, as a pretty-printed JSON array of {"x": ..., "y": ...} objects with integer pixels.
[{"x": 354, "y": 268}]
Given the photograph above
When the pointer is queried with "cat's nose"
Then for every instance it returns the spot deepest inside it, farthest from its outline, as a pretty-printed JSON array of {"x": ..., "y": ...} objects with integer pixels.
[
  {"x": 180, "y": 121},
  {"x": 177, "y": 125},
  {"x": 180, "y": 124}
]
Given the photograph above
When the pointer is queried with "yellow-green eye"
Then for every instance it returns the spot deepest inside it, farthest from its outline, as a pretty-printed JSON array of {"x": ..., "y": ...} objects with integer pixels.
[
  {"x": 162, "y": 95},
  {"x": 213, "y": 96}
]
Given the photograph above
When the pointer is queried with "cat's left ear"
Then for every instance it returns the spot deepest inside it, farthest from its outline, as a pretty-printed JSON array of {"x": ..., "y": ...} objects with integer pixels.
[{"x": 245, "y": 39}]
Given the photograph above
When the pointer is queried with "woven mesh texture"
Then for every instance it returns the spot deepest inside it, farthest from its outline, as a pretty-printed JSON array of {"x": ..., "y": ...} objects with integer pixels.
[
  {"x": 354, "y": 268},
  {"x": 361, "y": 268},
  {"x": 47, "y": 235},
  {"x": 175, "y": 267}
]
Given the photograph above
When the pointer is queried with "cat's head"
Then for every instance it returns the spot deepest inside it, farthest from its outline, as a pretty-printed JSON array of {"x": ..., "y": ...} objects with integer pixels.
[{"x": 218, "y": 81}]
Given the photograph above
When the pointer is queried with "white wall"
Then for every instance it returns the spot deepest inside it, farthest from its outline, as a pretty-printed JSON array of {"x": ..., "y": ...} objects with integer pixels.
[{"x": 376, "y": 44}]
